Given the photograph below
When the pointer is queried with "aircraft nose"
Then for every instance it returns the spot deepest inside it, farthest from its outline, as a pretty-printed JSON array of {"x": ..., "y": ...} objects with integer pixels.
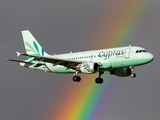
[{"x": 150, "y": 57}]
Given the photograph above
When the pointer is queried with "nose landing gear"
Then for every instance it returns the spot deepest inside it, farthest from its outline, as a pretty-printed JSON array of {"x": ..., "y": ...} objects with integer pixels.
[{"x": 133, "y": 75}]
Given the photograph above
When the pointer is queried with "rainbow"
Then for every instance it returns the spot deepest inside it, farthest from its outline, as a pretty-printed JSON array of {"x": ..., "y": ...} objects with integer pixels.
[{"x": 87, "y": 100}]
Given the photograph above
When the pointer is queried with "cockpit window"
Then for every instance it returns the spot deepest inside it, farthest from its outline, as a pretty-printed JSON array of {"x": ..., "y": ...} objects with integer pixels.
[
  {"x": 144, "y": 50},
  {"x": 140, "y": 51}
]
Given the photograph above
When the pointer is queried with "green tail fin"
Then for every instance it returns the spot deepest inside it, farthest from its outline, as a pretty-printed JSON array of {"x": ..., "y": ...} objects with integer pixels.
[{"x": 31, "y": 45}]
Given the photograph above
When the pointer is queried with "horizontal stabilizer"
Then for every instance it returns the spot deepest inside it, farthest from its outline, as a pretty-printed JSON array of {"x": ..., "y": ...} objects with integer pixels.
[
  {"x": 18, "y": 54},
  {"x": 19, "y": 61}
]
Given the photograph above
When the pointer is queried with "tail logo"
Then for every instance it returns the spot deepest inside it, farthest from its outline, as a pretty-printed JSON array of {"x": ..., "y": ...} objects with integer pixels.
[
  {"x": 36, "y": 50},
  {"x": 33, "y": 51}
]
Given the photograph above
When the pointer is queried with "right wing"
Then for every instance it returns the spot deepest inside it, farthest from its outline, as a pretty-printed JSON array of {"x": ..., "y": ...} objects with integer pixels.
[
  {"x": 73, "y": 64},
  {"x": 55, "y": 61}
]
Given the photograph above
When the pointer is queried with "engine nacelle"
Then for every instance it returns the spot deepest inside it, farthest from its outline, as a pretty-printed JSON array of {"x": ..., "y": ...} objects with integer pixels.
[
  {"x": 121, "y": 72},
  {"x": 89, "y": 67}
]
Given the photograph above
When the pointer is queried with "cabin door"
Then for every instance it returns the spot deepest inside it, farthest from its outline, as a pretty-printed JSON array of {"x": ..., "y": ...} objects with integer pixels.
[{"x": 127, "y": 53}]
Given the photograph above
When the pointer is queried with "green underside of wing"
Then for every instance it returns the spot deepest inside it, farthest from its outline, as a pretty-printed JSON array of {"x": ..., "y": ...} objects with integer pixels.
[{"x": 63, "y": 70}]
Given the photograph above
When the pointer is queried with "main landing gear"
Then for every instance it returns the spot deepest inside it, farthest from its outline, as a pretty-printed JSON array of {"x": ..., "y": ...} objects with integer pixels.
[
  {"x": 99, "y": 80},
  {"x": 76, "y": 78},
  {"x": 133, "y": 75}
]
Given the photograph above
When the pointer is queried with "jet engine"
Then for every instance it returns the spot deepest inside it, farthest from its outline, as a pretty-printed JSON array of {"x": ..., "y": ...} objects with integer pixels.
[
  {"x": 121, "y": 72},
  {"x": 89, "y": 68}
]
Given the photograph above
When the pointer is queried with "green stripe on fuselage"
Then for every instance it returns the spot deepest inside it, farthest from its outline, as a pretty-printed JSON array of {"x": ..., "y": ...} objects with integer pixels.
[{"x": 129, "y": 62}]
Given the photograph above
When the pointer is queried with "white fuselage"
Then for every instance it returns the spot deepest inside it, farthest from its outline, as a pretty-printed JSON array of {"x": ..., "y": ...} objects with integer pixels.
[{"x": 108, "y": 58}]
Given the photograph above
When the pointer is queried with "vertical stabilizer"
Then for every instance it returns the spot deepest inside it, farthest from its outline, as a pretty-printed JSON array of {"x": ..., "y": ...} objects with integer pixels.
[{"x": 31, "y": 45}]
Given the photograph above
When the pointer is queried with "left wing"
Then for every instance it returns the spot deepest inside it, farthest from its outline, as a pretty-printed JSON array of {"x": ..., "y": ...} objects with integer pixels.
[{"x": 31, "y": 63}]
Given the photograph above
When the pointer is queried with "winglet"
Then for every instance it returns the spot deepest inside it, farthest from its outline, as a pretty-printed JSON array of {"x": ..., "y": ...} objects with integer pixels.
[{"x": 18, "y": 54}]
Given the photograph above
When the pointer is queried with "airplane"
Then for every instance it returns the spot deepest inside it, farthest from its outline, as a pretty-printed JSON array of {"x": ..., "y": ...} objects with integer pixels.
[{"x": 119, "y": 61}]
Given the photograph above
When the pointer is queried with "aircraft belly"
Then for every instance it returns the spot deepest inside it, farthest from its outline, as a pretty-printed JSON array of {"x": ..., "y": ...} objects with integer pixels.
[{"x": 106, "y": 66}]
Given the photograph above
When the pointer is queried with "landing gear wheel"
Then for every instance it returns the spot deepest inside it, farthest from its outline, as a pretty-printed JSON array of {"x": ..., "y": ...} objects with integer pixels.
[
  {"x": 99, "y": 80},
  {"x": 133, "y": 75},
  {"x": 76, "y": 78}
]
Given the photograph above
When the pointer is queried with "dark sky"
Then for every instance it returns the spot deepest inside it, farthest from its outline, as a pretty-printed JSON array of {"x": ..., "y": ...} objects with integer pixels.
[{"x": 61, "y": 26}]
